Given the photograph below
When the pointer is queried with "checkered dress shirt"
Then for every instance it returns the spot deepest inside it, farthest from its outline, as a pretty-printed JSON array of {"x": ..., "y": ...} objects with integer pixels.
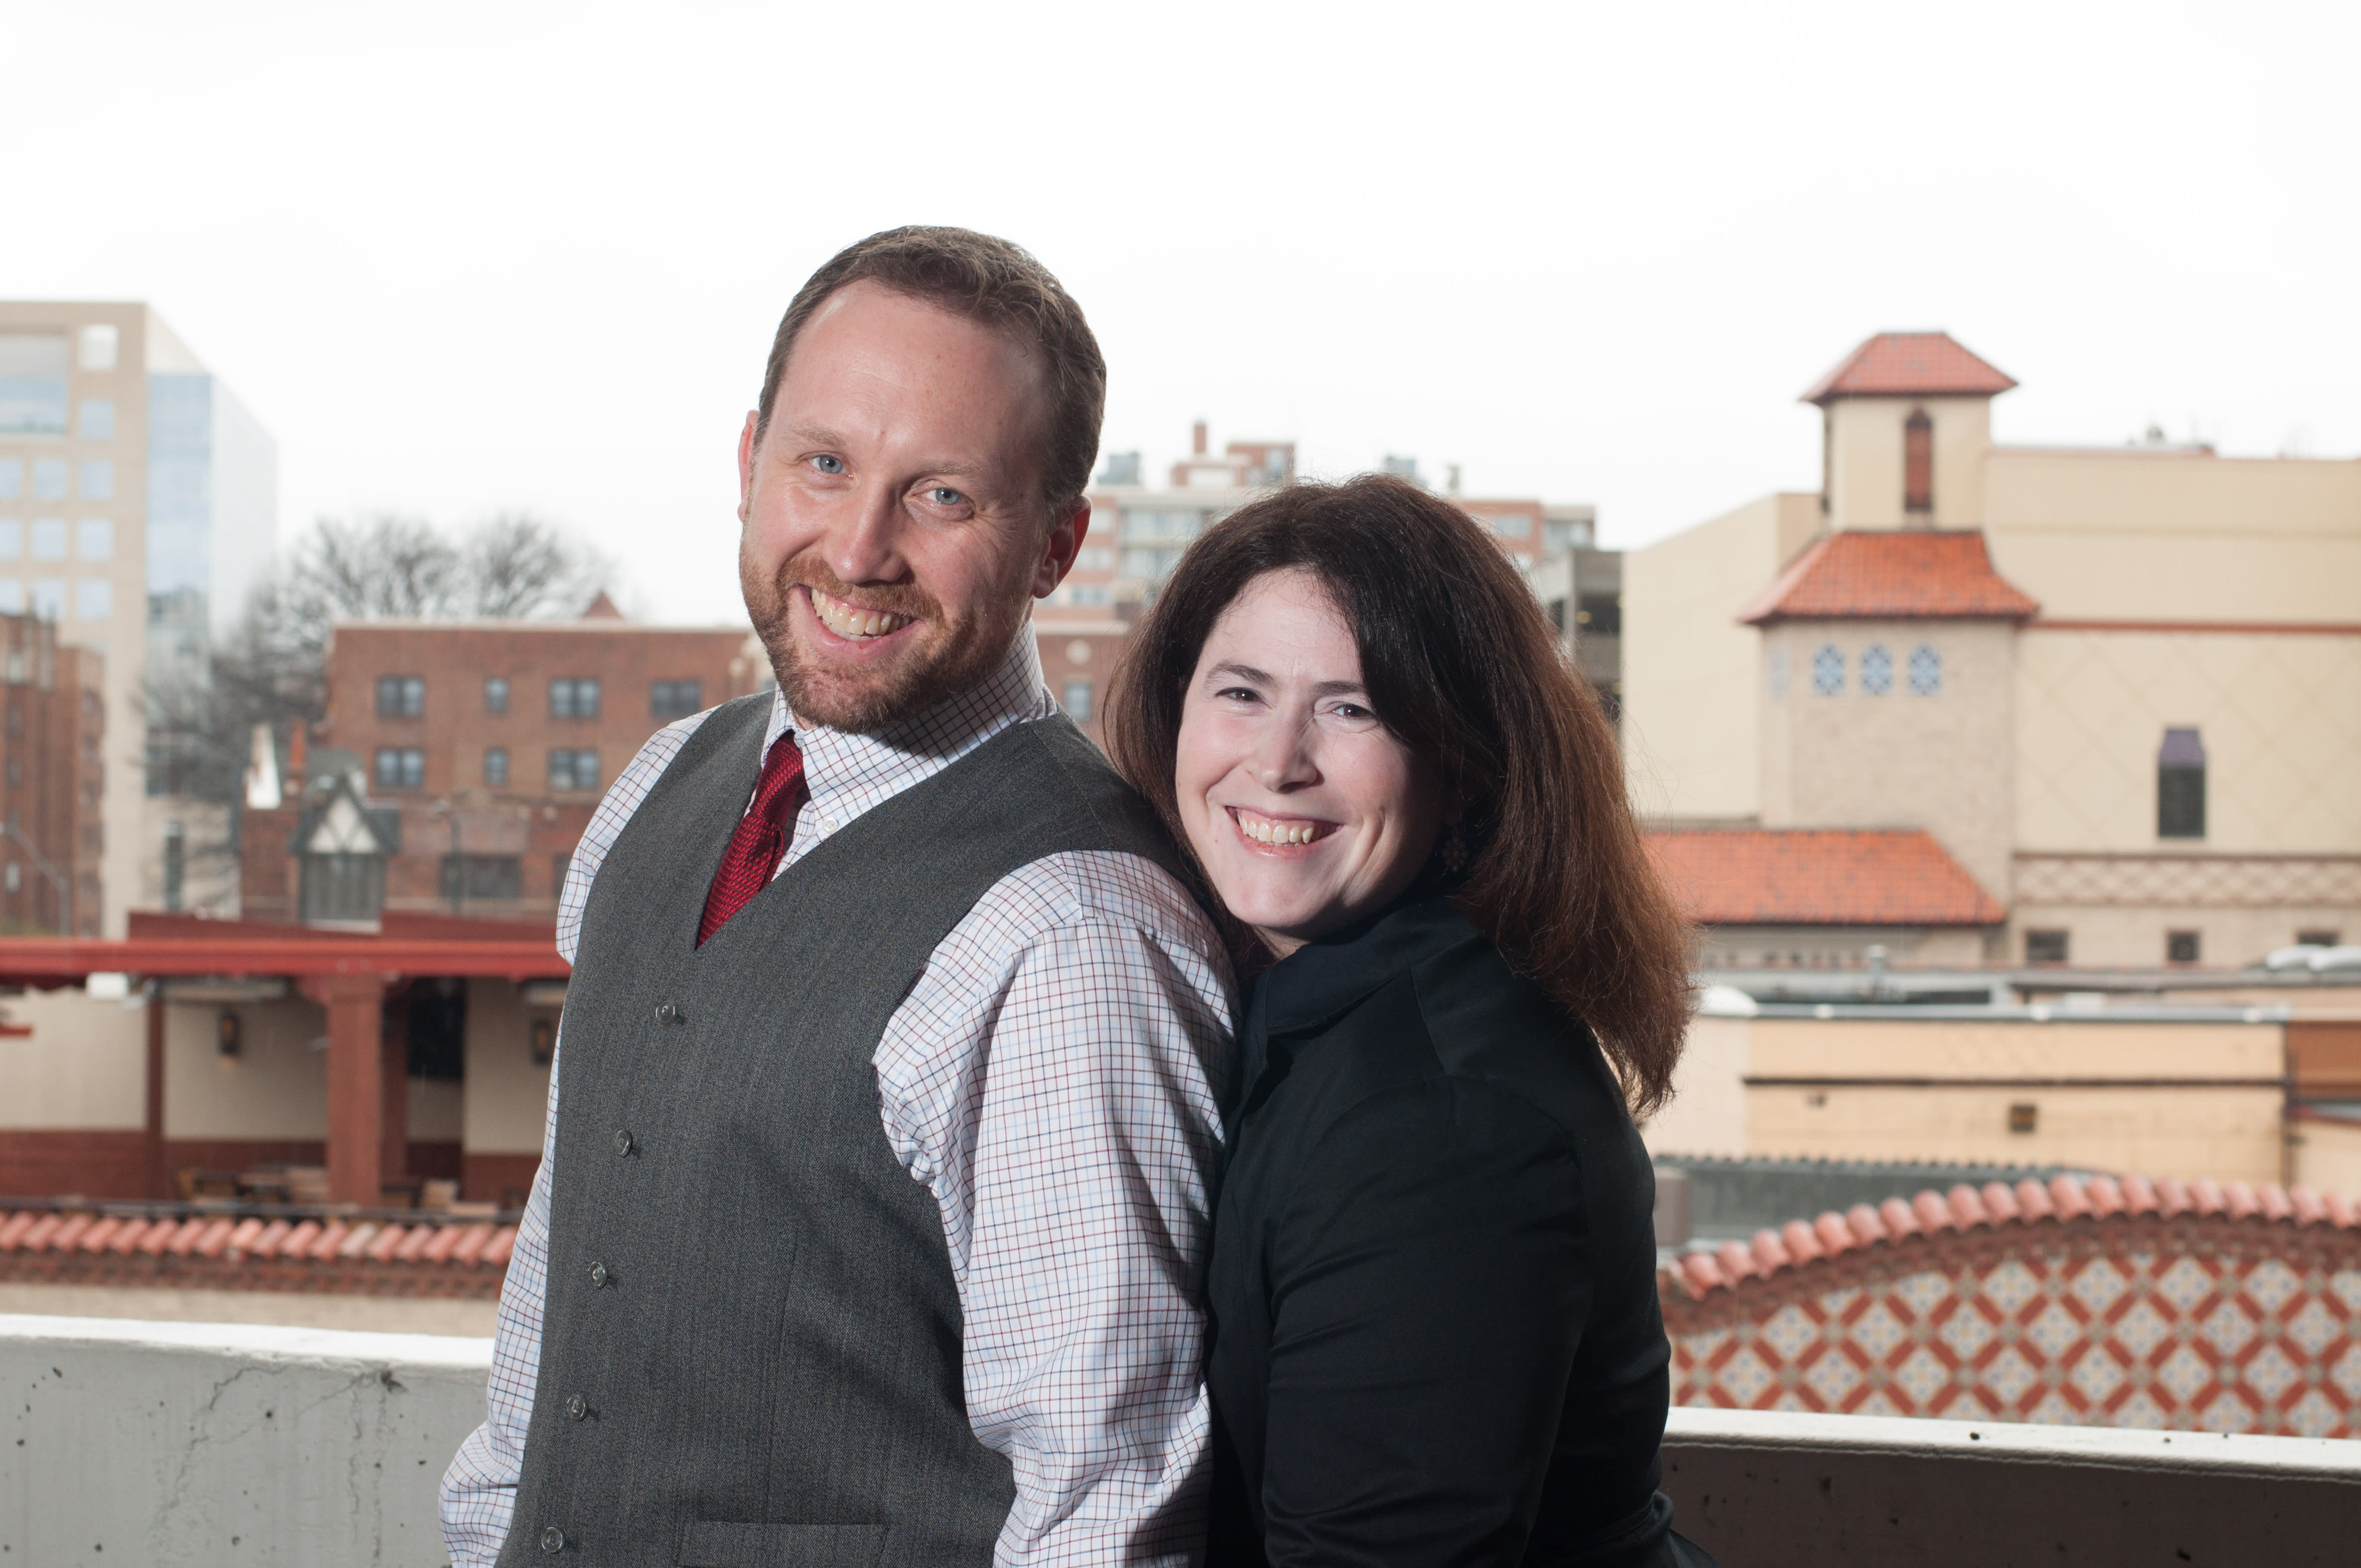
[{"x": 1053, "y": 1079}]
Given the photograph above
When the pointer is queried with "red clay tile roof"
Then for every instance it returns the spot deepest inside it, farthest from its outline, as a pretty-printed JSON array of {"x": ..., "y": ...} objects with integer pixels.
[
  {"x": 1818, "y": 877},
  {"x": 1917, "y": 573},
  {"x": 1909, "y": 364},
  {"x": 249, "y": 1252},
  {"x": 2062, "y": 1200}
]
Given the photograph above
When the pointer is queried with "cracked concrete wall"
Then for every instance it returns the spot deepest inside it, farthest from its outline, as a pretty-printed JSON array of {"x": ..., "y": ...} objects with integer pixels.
[{"x": 197, "y": 1444}]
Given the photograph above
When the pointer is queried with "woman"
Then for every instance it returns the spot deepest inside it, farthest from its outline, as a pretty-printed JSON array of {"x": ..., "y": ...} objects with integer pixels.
[{"x": 1434, "y": 1277}]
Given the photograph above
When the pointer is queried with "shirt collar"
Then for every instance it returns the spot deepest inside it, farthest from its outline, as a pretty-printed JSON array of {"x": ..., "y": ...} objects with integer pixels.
[
  {"x": 1321, "y": 981},
  {"x": 848, "y": 775}
]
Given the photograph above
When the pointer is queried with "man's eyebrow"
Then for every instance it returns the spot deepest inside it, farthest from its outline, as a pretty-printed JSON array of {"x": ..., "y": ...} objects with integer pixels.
[{"x": 821, "y": 436}]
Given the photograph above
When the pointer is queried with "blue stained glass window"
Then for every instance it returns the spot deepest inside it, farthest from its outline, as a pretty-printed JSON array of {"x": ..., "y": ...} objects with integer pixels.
[
  {"x": 1925, "y": 670},
  {"x": 1876, "y": 669},
  {"x": 1827, "y": 670}
]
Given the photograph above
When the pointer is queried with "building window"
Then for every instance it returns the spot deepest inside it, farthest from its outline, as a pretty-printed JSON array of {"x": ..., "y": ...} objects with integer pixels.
[
  {"x": 98, "y": 418},
  {"x": 1089, "y": 593},
  {"x": 573, "y": 770},
  {"x": 481, "y": 876},
  {"x": 342, "y": 887},
  {"x": 673, "y": 699},
  {"x": 2182, "y": 946},
  {"x": 1827, "y": 670},
  {"x": 98, "y": 478},
  {"x": 1076, "y": 700},
  {"x": 48, "y": 478},
  {"x": 401, "y": 767},
  {"x": 1925, "y": 670},
  {"x": 2024, "y": 1117},
  {"x": 12, "y": 538},
  {"x": 400, "y": 696},
  {"x": 1511, "y": 525},
  {"x": 95, "y": 539},
  {"x": 1094, "y": 558},
  {"x": 2045, "y": 947},
  {"x": 574, "y": 698},
  {"x": 49, "y": 597},
  {"x": 12, "y": 478},
  {"x": 495, "y": 766},
  {"x": 495, "y": 694},
  {"x": 2181, "y": 786},
  {"x": 32, "y": 384},
  {"x": 48, "y": 539},
  {"x": 1876, "y": 669},
  {"x": 94, "y": 598},
  {"x": 1918, "y": 462},
  {"x": 2316, "y": 938},
  {"x": 99, "y": 343}
]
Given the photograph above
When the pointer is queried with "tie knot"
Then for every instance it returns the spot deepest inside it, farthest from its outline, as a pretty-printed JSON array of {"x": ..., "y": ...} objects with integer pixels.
[{"x": 780, "y": 790}]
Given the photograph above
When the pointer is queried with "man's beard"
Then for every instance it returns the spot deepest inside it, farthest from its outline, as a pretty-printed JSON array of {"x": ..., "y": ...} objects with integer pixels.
[{"x": 959, "y": 657}]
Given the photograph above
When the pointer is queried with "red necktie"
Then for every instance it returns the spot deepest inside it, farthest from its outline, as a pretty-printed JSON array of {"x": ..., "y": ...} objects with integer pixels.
[{"x": 760, "y": 836}]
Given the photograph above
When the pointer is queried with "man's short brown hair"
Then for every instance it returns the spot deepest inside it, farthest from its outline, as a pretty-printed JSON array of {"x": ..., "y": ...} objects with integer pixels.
[{"x": 991, "y": 282}]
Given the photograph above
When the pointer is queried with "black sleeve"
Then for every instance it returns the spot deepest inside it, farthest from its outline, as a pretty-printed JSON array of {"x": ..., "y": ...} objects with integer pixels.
[{"x": 1429, "y": 1290}]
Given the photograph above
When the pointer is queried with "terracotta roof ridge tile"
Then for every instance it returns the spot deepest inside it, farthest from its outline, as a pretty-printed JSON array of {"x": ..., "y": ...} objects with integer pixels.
[{"x": 1996, "y": 1206}]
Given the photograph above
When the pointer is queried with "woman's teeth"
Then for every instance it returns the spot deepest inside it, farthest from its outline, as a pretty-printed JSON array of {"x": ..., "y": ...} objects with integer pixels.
[
  {"x": 1267, "y": 832},
  {"x": 852, "y": 621}
]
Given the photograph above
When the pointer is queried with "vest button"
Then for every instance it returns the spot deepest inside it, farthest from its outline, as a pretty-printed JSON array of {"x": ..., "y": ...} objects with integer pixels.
[
  {"x": 597, "y": 1276},
  {"x": 578, "y": 1407},
  {"x": 622, "y": 1140},
  {"x": 667, "y": 1013},
  {"x": 553, "y": 1539}
]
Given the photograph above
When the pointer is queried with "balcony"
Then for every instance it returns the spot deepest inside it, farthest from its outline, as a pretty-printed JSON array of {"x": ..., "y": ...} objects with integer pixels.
[{"x": 197, "y": 1444}]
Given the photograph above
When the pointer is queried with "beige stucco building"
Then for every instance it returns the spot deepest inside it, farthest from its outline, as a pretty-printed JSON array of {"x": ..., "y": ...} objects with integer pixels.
[{"x": 2121, "y": 687}]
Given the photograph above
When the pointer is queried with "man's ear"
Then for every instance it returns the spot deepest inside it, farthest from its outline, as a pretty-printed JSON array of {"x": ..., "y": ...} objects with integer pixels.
[
  {"x": 746, "y": 467},
  {"x": 1067, "y": 532}
]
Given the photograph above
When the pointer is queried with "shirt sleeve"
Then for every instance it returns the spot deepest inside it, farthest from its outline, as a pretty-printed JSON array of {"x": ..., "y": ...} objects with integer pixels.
[
  {"x": 478, "y": 1495},
  {"x": 1430, "y": 1291},
  {"x": 1054, "y": 1079}
]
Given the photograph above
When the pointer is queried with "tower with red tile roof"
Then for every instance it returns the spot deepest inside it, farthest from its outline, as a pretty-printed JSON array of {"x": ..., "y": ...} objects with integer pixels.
[{"x": 1906, "y": 420}]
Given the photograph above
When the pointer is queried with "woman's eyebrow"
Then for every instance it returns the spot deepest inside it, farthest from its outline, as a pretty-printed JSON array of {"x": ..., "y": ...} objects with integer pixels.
[{"x": 1247, "y": 673}]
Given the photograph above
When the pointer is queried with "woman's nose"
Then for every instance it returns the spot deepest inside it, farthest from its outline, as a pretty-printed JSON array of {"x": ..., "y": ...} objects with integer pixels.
[{"x": 1282, "y": 759}]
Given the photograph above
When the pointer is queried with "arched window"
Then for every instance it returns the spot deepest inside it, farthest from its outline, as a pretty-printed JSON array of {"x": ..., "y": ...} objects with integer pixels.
[
  {"x": 1918, "y": 462},
  {"x": 1925, "y": 670},
  {"x": 1827, "y": 670},
  {"x": 1876, "y": 669}
]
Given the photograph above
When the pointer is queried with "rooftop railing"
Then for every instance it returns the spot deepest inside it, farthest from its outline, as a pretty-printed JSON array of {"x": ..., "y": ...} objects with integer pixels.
[{"x": 198, "y": 1443}]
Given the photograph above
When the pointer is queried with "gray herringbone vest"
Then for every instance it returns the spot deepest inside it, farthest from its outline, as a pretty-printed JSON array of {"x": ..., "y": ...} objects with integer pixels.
[{"x": 751, "y": 1343}]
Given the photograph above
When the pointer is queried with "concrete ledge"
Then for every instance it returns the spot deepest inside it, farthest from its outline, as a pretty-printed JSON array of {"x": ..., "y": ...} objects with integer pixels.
[
  {"x": 205, "y": 1443},
  {"x": 1763, "y": 1488}
]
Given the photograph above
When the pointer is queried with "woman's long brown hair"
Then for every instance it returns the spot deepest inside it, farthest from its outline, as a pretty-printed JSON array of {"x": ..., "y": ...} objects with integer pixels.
[{"x": 1460, "y": 663}]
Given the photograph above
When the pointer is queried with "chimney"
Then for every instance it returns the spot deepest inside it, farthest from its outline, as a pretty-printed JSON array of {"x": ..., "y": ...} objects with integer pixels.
[
  {"x": 296, "y": 763},
  {"x": 1197, "y": 441}
]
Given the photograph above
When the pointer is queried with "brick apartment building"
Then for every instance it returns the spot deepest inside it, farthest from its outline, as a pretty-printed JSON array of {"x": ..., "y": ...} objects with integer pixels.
[
  {"x": 52, "y": 782},
  {"x": 460, "y": 762}
]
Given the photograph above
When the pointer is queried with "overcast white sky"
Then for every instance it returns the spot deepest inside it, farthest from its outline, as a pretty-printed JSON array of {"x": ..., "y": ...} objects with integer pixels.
[{"x": 466, "y": 257}]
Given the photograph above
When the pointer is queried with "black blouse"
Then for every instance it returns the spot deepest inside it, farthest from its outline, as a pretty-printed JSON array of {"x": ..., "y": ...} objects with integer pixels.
[{"x": 1436, "y": 1333}]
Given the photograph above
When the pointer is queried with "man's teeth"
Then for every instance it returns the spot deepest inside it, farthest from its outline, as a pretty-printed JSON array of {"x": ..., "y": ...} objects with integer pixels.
[
  {"x": 852, "y": 621},
  {"x": 1263, "y": 832}
]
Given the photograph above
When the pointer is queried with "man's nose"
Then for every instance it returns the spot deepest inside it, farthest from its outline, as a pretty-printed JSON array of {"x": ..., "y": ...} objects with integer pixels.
[{"x": 866, "y": 544}]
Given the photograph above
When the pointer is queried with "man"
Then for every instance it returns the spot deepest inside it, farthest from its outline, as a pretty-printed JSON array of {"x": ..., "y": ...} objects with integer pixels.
[{"x": 871, "y": 1205}]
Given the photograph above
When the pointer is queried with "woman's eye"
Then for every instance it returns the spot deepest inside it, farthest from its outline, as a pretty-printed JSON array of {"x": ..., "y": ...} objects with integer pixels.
[
  {"x": 1352, "y": 714},
  {"x": 1237, "y": 694},
  {"x": 829, "y": 465}
]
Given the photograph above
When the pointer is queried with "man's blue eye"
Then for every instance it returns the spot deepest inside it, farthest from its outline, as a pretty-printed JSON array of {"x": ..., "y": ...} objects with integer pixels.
[
  {"x": 829, "y": 465},
  {"x": 946, "y": 497}
]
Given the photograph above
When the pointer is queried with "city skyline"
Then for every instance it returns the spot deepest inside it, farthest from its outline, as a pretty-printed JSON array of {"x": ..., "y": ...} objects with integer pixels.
[{"x": 1588, "y": 258}]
